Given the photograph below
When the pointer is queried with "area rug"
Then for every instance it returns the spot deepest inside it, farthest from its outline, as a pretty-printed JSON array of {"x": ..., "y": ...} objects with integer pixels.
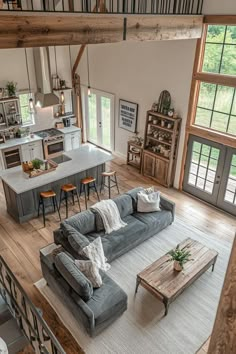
[{"x": 143, "y": 327}]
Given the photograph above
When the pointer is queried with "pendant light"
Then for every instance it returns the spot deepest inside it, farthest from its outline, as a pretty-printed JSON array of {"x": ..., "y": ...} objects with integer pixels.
[
  {"x": 89, "y": 88},
  {"x": 31, "y": 109}
]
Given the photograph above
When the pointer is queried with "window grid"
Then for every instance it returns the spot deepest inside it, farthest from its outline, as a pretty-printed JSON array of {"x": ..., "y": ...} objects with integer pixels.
[
  {"x": 26, "y": 117},
  {"x": 201, "y": 180},
  {"x": 230, "y": 114}
]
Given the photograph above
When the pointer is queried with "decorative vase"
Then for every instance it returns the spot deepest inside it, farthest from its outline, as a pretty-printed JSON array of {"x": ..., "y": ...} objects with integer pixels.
[{"x": 177, "y": 266}]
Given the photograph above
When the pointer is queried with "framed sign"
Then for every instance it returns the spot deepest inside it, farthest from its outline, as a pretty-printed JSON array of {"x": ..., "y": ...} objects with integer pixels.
[{"x": 128, "y": 114}]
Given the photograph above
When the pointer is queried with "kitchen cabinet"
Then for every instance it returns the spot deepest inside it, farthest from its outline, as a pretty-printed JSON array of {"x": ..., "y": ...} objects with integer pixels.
[
  {"x": 32, "y": 151},
  {"x": 72, "y": 141}
]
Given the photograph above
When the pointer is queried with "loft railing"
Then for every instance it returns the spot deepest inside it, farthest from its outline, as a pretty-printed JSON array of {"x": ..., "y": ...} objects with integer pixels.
[
  {"x": 27, "y": 315},
  {"x": 158, "y": 7}
]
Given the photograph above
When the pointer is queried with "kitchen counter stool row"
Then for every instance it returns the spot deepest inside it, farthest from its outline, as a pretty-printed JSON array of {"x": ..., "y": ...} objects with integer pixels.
[{"x": 67, "y": 190}]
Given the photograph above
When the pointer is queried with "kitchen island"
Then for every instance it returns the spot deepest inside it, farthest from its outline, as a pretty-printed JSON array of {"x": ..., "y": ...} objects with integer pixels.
[{"x": 22, "y": 192}]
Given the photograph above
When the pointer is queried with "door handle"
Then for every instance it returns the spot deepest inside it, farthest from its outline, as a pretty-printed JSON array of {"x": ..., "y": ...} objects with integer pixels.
[{"x": 100, "y": 124}]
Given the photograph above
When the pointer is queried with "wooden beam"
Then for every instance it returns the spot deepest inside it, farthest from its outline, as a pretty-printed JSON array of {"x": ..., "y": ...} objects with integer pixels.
[
  {"x": 220, "y": 19},
  {"x": 223, "y": 339},
  {"x": 24, "y": 30},
  {"x": 77, "y": 61}
]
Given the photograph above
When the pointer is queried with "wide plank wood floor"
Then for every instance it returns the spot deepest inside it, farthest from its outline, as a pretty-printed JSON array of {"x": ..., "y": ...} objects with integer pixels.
[{"x": 20, "y": 244}]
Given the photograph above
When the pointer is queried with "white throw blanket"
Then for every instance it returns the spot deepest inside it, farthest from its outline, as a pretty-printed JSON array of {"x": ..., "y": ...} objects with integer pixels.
[{"x": 110, "y": 215}]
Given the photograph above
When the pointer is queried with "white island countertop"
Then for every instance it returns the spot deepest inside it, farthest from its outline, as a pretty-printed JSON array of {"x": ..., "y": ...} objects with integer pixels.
[
  {"x": 82, "y": 159},
  {"x": 68, "y": 130}
]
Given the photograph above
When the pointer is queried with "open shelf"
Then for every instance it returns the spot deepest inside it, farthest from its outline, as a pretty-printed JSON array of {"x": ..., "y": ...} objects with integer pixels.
[
  {"x": 158, "y": 126},
  {"x": 159, "y": 141}
]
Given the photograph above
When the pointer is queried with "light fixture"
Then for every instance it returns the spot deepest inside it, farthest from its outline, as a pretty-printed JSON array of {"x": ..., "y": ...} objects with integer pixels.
[
  {"x": 62, "y": 97},
  {"x": 31, "y": 109},
  {"x": 89, "y": 88}
]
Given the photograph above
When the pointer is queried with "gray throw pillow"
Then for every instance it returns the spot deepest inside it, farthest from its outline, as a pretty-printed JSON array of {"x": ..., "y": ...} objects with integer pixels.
[
  {"x": 98, "y": 221},
  {"x": 73, "y": 276},
  {"x": 74, "y": 237},
  {"x": 91, "y": 271}
]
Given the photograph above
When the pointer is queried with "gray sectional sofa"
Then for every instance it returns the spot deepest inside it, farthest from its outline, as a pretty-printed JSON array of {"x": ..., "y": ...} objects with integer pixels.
[{"x": 109, "y": 301}]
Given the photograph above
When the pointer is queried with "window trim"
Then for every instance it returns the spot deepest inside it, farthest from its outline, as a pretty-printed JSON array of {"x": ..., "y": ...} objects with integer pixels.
[
  {"x": 197, "y": 78},
  {"x": 22, "y": 92}
]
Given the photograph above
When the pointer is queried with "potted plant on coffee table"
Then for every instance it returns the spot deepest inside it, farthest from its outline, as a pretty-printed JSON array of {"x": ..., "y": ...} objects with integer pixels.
[{"x": 180, "y": 257}]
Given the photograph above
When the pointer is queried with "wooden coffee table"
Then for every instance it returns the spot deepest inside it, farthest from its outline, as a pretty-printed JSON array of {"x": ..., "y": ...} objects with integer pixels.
[{"x": 165, "y": 283}]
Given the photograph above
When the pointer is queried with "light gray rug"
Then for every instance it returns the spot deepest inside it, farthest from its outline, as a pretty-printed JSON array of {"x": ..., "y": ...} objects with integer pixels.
[{"x": 142, "y": 328}]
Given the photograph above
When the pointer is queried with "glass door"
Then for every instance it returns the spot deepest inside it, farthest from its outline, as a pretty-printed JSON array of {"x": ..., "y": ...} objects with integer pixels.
[
  {"x": 99, "y": 118},
  {"x": 227, "y": 193},
  {"x": 210, "y": 173}
]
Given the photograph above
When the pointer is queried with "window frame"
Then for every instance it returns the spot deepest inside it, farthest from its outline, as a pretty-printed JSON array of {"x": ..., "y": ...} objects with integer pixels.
[
  {"x": 26, "y": 92},
  {"x": 211, "y": 78}
]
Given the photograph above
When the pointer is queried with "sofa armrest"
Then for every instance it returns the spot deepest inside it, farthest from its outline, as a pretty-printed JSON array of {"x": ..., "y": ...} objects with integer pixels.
[
  {"x": 168, "y": 205},
  {"x": 87, "y": 313}
]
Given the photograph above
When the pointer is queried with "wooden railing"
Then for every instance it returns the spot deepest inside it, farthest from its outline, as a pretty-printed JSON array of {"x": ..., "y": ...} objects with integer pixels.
[
  {"x": 160, "y": 7},
  {"x": 28, "y": 317}
]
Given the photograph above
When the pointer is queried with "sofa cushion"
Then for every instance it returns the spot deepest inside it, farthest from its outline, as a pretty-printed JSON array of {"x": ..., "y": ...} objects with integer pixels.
[
  {"x": 148, "y": 202},
  {"x": 75, "y": 238},
  {"x": 83, "y": 222},
  {"x": 133, "y": 193},
  {"x": 73, "y": 276},
  {"x": 107, "y": 301},
  {"x": 155, "y": 221},
  {"x": 91, "y": 271},
  {"x": 94, "y": 251},
  {"x": 120, "y": 241},
  {"x": 124, "y": 205}
]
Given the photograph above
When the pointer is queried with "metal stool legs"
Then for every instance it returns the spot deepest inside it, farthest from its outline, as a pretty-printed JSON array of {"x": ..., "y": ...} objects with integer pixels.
[
  {"x": 109, "y": 185},
  {"x": 65, "y": 197},
  {"x": 55, "y": 207}
]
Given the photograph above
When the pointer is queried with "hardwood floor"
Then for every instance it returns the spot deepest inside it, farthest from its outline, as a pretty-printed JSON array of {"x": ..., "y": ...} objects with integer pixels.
[{"x": 20, "y": 244}]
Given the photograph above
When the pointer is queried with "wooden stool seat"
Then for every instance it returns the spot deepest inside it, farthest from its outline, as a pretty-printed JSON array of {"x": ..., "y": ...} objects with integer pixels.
[
  {"x": 107, "y": 174},
  {"x": 65, "y": 190},
  {"x": 68, "y": 187},
  {"x": 87, "y": 180},
  {"x": 109, "y": 186},
  {"x": 47, "y": 194},
  {"x": 87, "y": 184}
]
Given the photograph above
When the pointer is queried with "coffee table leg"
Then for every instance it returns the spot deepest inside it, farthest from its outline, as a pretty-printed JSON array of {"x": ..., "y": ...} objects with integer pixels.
[
  {"x": 167, "y": 304},
  {"x": 137, "y": 284},
  {"x": 213, "y": 266}
]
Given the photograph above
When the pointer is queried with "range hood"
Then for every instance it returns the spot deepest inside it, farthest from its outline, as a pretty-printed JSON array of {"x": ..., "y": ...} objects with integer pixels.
[{"x": 44, "y": 96}]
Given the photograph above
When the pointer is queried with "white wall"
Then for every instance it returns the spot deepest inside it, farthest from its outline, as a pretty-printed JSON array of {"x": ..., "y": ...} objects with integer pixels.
[{"x": 139, "y": 71}]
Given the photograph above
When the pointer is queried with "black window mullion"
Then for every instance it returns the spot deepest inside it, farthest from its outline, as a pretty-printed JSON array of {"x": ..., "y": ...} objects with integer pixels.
[
  {"x": 213, "y": 106},
  {"x": 207, "y": 167},
  {"x": 223, "y": 47},
  {"x": 231, "y": 108}
]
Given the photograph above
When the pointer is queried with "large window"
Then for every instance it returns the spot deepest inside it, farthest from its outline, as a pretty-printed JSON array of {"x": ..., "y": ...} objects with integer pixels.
[
  {"x": 27, "y": 118},
  {"x": 216, "y": 103}
]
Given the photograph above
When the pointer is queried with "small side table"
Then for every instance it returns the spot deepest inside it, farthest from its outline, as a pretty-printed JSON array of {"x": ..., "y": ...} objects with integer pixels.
[{"x": 134, "y": 155}]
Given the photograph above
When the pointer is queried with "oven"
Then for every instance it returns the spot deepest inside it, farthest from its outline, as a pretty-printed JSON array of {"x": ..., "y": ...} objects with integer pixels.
[
  {"x": 53, "y": 148},
  {"x": 12, "y": 157}
]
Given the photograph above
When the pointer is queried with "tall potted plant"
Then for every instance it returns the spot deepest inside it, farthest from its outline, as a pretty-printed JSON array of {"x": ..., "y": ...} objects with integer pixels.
[{"x": 180, "y": 257}]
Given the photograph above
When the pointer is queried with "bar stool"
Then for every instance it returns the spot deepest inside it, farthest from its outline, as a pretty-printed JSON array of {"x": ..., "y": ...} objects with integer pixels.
[
  {"x": 66, "y": 189},
  {"x": 48, "y": 195},
  {"x": 109, "y": 176},
  {"x": 90, "y": 182}
]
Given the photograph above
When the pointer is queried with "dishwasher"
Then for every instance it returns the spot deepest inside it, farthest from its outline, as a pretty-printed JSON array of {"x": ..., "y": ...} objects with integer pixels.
[{"x": 11, "y": 157}]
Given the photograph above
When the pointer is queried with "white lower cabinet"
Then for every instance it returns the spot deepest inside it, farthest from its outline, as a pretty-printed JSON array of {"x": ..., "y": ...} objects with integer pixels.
[
  {"x": 72, "y": 141},
  {"x": 32, "y": 151}
]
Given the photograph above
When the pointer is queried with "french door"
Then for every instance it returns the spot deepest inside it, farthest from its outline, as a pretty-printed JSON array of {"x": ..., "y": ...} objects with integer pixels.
[
  {"x": 99, "y": 115},
  {"x": 210, "y": 173}
]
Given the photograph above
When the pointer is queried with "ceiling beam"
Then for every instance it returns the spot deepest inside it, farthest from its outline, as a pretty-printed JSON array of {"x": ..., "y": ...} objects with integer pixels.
[
  {"x": 77, "y": 61},
  {"x": 24, "y": 30}
]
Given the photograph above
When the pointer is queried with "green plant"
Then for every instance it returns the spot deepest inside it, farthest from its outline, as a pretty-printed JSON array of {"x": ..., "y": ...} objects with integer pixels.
[
  {"x": 180, "y": 255},
  {"x": 11, "y": 88},
  {"x": 37, "y": 164}
]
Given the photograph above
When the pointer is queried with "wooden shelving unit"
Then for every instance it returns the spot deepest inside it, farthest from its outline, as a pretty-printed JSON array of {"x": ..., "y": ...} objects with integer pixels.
[
  {"x": 160, "y": 147},
  {"x": 10, "y": 114},
  {"x": 134, "y": 155}
]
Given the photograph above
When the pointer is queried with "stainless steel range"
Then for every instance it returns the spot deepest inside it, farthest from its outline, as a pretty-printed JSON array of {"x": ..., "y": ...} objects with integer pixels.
[{"x": 53, "y": 142}]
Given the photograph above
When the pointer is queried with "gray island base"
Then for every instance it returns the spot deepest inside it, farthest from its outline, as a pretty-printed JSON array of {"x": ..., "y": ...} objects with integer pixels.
[{"x": 22, "y": 192}]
